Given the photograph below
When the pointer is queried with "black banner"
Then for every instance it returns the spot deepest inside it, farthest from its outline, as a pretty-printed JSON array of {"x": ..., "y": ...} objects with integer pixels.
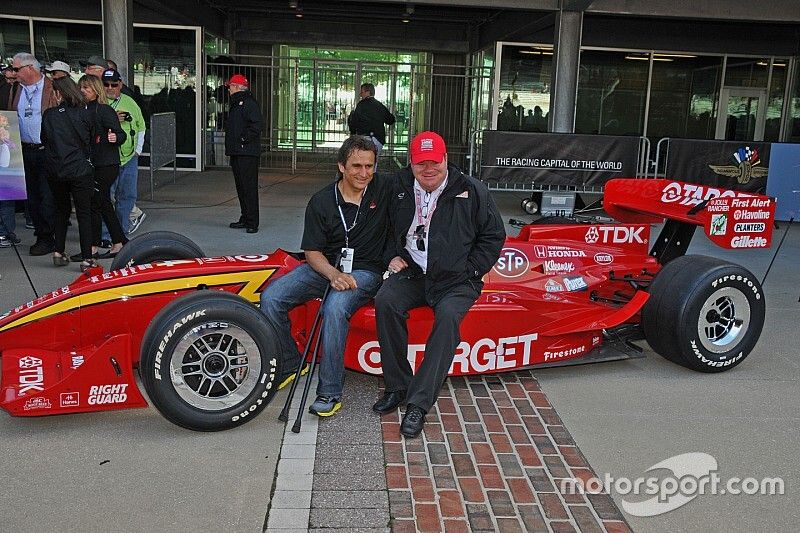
[
  {"x": 557, "y": 158},
  {"x": 737, "y": 165}
]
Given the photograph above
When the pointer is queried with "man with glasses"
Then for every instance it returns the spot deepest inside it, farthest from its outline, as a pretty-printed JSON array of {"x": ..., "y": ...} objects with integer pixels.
[
  {"x": 447, "y": 233},
  {"x": 34, "y": 97},
  {"x": 124, "y": 190}
]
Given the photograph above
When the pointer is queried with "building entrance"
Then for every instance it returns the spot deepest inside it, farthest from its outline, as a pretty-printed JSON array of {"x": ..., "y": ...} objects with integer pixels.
[{"x": 742, "y": 114}]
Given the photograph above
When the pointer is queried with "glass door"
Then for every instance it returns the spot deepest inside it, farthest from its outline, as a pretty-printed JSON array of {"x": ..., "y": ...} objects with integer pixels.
[
  {"x": 742, "y": 114},
  {"x": 335, "y": 88}
]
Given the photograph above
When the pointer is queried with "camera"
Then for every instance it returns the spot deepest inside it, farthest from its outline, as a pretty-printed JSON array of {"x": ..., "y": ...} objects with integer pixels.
[{"x": 127, "y": 116}]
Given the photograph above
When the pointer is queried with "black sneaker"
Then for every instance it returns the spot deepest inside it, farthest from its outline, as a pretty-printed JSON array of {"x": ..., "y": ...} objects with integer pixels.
[
  {"x": 105, "y": 243},
  {"x": 42, "y": 248}
]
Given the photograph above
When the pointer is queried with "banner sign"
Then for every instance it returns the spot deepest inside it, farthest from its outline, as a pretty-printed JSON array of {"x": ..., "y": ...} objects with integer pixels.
[
  {"x": 12, "y": 171},
  {"x": 557, "y": 158},
  {"x": 737, "y": 165}
]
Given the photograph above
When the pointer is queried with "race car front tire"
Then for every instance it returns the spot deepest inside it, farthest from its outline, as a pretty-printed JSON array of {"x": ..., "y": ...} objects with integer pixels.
[
  {"x": 210, "y": 361},
  {"x": 704, "y": 313},
  {"x": 155, "y": 246}
]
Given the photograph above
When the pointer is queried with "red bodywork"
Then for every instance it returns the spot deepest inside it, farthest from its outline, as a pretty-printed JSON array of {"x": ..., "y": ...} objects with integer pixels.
[{"x": 548, "y": 299}]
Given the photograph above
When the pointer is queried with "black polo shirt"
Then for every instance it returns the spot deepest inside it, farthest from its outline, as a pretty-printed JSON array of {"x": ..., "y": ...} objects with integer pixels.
[{"x": 325, "y": 233}]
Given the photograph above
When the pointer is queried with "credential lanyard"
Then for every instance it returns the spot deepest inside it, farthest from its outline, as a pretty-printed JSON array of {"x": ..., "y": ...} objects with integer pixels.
[{"x": 341, "y": 214}]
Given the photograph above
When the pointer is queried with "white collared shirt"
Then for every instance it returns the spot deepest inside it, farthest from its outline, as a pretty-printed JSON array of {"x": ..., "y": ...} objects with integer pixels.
[{"x": 425, "y": 204}]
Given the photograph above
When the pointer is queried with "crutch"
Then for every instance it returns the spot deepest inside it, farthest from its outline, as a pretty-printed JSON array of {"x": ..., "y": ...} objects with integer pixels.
[{"x": 315, "y": 332}]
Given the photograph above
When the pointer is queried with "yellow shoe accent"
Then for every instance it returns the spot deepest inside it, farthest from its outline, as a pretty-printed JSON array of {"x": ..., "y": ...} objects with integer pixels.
[
  {"x": 336, "y": 407},
  {"x": 291, "y": 376}
]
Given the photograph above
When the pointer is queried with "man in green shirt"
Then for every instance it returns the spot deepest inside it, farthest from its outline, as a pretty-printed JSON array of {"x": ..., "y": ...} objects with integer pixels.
[{"x": 132, "y": 122}]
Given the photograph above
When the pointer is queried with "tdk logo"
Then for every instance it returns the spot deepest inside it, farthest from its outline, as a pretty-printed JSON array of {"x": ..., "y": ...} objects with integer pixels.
[{"x": 615, "y": 235}]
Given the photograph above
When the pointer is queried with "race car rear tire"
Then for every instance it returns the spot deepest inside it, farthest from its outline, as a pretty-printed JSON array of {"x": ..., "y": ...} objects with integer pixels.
[
  {"x": 210, "y": 361},
  {"x": 155, "y": 246},
  {"x": 704, "y": 313}
]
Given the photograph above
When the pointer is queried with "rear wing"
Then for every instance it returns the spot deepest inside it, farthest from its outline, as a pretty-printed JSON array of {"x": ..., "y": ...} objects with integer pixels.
[{"x": 730, "y": 219}]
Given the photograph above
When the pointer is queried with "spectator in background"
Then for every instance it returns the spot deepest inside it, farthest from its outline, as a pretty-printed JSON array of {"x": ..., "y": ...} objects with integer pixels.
[
  {"x": 8, "y": 223},
  {"x": 34, "y": 98},
  {"x": 369, "y": 117},
  {"x": 95, "y": 66},
  {"x": 107, "y": 136},
  {"x": 130, "y": 117},
  {"x": 58, "y": 69},
  {"x": 243, "y": 146},
  {"x": 66, "y": 134}
]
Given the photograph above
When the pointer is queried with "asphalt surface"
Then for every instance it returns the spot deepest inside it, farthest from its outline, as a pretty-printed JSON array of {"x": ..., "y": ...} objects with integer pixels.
[{"x": 134, "y": 471}]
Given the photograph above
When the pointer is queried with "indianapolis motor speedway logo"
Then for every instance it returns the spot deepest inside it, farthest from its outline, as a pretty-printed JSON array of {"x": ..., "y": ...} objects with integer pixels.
[{"x": 747, "y": 166}]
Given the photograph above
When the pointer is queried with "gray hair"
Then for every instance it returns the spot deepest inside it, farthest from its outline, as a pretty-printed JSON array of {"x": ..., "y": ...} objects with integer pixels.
[{"x": 28, "y": 59}]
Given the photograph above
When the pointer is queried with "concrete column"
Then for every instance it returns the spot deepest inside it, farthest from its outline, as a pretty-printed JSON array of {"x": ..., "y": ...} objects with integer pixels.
[
  {"x": 566, "y": 54},
  {"x": 118, "y": 35}
]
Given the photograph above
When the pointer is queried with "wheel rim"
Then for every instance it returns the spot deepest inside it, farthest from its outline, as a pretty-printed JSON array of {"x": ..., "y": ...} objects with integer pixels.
[
  {"x": 724, "y": 319},
  {"x": 215, "y": 366}
]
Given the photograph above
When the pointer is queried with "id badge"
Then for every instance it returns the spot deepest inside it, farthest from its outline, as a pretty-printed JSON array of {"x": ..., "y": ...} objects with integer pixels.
[
  {"x": 28, "y": 112},
  {"x": 346, "y": 262}
]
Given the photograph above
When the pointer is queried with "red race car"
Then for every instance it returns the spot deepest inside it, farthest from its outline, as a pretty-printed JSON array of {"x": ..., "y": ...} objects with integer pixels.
[{"x": 559, "y": 294}]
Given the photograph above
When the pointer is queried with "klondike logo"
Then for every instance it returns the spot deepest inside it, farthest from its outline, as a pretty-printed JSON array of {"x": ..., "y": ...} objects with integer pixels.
[{"x": 747, "y": 166}]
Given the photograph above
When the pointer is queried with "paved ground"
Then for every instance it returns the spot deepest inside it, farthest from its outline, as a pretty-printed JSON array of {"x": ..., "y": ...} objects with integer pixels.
[{"x": 133, "y": 471}]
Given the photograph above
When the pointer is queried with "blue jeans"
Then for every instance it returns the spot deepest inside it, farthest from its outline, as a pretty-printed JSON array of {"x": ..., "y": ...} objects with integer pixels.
[
  {"x": 301, "y": 285},
  {"x": 8, "y": 224},
  {"x": 124, "y": 191}
]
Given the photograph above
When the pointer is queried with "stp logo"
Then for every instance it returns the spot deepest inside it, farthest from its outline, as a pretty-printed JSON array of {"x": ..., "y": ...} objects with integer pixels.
[
  {"x": 615, "y": 235},
  {"x": 512, "y": 263}
]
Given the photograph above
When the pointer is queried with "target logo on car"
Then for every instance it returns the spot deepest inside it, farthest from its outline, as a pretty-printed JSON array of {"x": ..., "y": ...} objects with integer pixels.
[{"x": 512, "y": 263}]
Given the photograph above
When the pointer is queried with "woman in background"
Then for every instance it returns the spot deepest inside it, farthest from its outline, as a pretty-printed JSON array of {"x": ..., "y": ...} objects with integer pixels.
[
  {"x": 107, "y": 135},
  {"x": 66, "y": 134}
]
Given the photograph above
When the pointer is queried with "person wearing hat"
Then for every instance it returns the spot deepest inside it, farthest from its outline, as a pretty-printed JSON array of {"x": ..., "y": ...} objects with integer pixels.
[
  {"x": 130, "y": 116},
  {"x": 95, "y": 66},
  {"x": 243, "y": 146},
  {"x": 447, "y": 233},
  {"x": 58, "y": 69}
]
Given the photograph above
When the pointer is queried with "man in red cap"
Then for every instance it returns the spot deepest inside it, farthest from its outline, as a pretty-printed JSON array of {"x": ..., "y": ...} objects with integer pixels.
[
  {"x": 243, "y": 146},
  {"x": 447, "y": 233}
]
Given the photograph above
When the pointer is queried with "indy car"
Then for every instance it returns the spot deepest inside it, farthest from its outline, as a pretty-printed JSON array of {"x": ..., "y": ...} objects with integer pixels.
[{"x": 559, "y": 294}]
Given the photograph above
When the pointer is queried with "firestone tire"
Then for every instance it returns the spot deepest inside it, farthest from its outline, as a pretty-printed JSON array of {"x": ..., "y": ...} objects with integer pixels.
[
  {"x": 704, "y": 313},
  {"x": 210, "y": 361},
  {"x": 155, "y": 246}
]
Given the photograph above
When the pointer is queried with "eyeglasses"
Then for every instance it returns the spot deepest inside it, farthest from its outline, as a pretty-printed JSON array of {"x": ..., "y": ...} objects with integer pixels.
[
  {"x": 419, "y": 236},
  {"x": 17, "y": 69},
  {"x": 107, "y": 84}
]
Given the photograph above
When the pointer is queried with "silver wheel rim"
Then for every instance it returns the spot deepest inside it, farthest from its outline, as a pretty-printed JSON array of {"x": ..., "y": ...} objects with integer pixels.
[
  {"x": 215, "y": 366},
  {"x": 724, "y": 319}
]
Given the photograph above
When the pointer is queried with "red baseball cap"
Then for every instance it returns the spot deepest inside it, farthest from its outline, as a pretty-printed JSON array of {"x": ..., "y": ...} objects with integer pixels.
[
  {"x": 238, "y": 79},
  {"x": 427, "y": 146}
]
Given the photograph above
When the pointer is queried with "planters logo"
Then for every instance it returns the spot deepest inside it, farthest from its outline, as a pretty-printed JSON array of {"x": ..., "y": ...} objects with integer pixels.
[{"x": 746, "y": 167}]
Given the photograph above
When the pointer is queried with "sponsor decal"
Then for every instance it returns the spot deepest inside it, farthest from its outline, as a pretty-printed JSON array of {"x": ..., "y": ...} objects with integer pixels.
[
  {"x": 575, "y": 283},
  {"x": 483, "y": 355},
  {"x": 747, "y": 166},
  {"x": 749, "y": 227},
  {"x": 719, "y": 225},
  {"x": 105, "y": 394},
  {"x": 70, "y": 399},
  {"x": 751, "y": 215},
  {"x": 718, "y": 208},
  {"x": 251, "y": 258},
  {"x": 557, "y": 267},
  {"x": 595, "y": 340},
  {"x": 603, "y": 259},
  {"x": 550, "y": 355},
  {"x": 548, "y": 252},
  {"x": 512, "y": 263},
  {"x": 552, "y": 297},
  {"x": 37, "y": 403},
  {"x": 553, "y": 286},
  {"x": 269, "y": 380},
  {"x": 31, "y": 375},
  {"x": 615, "y": 235},
  {"x": 740, "y": 278},
  {"x": 76, "y": 361},
  {"x": 690, "y": 194},
  {"x": 746, "y": 241}
]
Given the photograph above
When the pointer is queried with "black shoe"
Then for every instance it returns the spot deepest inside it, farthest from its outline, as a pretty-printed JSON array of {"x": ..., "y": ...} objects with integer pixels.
[
  {"x": 237, "y": 225},
  {"x": 42, "y": 248},
  {"x": 252, "y": 230},
  {"x": 389, "y": 402},
  {"x": 105, "y": 255},
  {"x": 413, "y": 421},
  {"x": 105, "y": 243},
  {"x": 77, "y": 258}
]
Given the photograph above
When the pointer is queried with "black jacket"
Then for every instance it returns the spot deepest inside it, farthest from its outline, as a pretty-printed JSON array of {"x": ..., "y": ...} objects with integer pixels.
[
  {"x": 465, "y": 236},
  {"x": 65, "y": 135},
  {"x": 7, "y": 93},
  {"x": 368, "y": 118},
  {"x": 243, "y": 129},
  {"x": 103, "y": 118}
]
